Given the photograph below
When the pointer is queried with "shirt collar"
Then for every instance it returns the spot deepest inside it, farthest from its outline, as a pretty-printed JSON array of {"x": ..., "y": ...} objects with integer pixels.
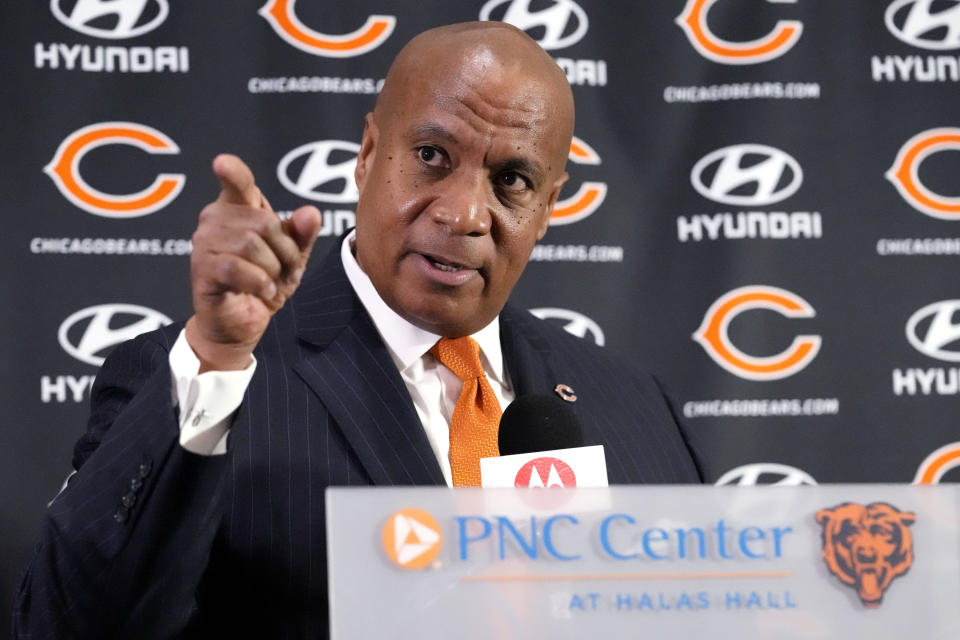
[{"x": 406, "y": 342}]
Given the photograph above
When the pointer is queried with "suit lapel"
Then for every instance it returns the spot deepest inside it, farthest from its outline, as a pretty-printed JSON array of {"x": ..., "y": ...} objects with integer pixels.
[
  {"x": 347, "y": 365},
  {"x": 525, "y": 354}
]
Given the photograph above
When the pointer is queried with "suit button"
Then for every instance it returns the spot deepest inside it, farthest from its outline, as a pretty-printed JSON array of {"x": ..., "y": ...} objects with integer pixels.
[
  {"x": 135, "y": 484},
  {"x": 121, "y": 514},
  {"x": 145, "y": 468},
  {"x": 128, "y": 500}
]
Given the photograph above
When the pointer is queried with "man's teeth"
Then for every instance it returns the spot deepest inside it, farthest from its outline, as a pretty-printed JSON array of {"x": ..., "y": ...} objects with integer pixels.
[{"x": 445, "y": 267}]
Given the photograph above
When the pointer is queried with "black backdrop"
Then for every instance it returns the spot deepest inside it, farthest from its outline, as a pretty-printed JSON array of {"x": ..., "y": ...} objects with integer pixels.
[{"x": 762, "y": 206}]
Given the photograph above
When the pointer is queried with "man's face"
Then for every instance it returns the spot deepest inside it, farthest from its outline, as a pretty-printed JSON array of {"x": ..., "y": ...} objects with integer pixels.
[{"x": 458, "y": 174}]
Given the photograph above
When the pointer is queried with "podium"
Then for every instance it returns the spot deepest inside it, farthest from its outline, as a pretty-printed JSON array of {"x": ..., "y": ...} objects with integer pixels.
[{"x": 828, "y": 561}]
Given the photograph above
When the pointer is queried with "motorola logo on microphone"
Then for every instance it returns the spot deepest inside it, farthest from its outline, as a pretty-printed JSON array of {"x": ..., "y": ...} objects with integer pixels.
[
  {"x": 321, "y": 171},
  {"x": 545, "y": 472}
]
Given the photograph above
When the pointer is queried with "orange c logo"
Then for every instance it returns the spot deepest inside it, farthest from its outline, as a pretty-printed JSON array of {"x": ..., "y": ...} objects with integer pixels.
[
  {"x": 905, "y": 176},
  {"x": 373, "y": 33},
  {"x": 64, "y": 170},
  {"x": 713, "y": 337},
  {"x": 693, "y": 21},
  {"x": 411, "y": 538},
  {"x": 588, "y": 197},
  {"x": 938, "y": 463}
]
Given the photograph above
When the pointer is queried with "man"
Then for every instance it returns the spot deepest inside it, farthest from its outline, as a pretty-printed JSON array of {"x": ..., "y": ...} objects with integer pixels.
[{"x": 199, "y": 511}]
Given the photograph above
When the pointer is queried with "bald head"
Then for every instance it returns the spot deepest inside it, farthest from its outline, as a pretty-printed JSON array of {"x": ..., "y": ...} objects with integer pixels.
[{"x": 470, "y": 52}]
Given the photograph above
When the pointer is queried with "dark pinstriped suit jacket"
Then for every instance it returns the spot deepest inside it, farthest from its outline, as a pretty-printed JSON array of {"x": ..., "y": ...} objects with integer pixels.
[{"x": 234, "y": 545}]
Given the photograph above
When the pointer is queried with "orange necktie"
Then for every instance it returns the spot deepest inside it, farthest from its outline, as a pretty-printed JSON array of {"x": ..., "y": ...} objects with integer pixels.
[{"x": 476, "y": 416}]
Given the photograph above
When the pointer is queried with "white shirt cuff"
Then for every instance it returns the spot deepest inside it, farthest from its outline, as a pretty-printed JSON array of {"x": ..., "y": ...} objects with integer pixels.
[{"x": 208, "y": 401}]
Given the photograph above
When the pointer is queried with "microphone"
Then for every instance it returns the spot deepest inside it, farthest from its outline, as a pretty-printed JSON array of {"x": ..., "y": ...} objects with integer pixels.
[
  {"x": 541, "y": 444},
  {"x": 538, "y": 423}
]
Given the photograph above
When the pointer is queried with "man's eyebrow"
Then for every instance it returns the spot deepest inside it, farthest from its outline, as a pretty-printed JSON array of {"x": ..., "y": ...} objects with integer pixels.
[{"x": 434, "y": 130}]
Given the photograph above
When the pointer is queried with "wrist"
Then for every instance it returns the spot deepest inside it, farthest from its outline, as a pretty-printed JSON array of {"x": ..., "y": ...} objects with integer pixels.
[{"x": 216, "y": 355}]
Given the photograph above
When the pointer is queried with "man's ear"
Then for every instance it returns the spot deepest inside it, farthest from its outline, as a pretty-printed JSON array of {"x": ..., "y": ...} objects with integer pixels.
[
  {"x": 551, "y": 203},
  {"x": 368, "y": 145}
]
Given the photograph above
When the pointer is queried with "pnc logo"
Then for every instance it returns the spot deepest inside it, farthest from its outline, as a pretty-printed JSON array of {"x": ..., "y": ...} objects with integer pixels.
[
  {"x": 938, "y": 463},
  {"x": 573, "y": 323},
  {"x": 411, "y": 538},
  {"x": 867, "y": 546},
  {"x": 129, "y": 18},
  {"x": 713, "y": 333},
  {"x": 282, "y": 17},
  {"x": 693, "y": 21},
  {"x": 915, "y": 22},
  {"x": 90, "y": 333},
  {"x": 765, "y": 473},
  {"x": 545, "y": 472},
  {"x": 933, "y": 332},
  {"x": 905, "y": 172},
  {"x": 309, "y": 167},
  {"x": 747, "y": 175},
  {"x": 557, "y": 26},
  {"x": 64, "y": 170},
  {"x": 588, "y": 197}
]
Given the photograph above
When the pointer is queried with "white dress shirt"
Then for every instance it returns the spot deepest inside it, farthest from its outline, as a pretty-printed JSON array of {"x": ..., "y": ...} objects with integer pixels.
[{"x": 209, "y": 400}]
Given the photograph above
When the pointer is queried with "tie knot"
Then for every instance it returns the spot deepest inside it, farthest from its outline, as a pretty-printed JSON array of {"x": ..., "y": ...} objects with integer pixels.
[{"x": 460, "y": 355}]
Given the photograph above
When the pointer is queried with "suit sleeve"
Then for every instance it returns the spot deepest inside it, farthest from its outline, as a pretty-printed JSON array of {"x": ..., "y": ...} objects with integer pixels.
[{"x": 124, "y": 545}]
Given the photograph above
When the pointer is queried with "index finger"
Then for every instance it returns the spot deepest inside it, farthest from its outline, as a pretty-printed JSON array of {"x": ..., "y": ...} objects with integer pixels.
[{"x": 237, "y": 185}]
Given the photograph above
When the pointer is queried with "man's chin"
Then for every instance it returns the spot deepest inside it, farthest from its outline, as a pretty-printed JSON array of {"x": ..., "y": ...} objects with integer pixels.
[{"x": 447, "y": 324}]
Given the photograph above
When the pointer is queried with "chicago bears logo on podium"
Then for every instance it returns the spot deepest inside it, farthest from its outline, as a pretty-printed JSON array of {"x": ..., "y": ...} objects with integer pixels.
[{"x": 867, "y": 547}]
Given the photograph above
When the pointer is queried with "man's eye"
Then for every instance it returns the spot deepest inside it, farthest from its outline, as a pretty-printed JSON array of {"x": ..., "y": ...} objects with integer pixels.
[
  {"x": 513, "y": 181},
  {"x": 430, "y": 156}
]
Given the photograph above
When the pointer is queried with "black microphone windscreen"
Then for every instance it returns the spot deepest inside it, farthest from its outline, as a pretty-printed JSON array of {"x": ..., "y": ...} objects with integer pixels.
[{"x": 538, "y": 423}]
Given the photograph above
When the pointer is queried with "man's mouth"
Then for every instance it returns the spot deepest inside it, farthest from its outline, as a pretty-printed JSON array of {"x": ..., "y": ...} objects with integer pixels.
[
  {"x": 445, "y": 265},
  {"x": 447, "y": 271}
]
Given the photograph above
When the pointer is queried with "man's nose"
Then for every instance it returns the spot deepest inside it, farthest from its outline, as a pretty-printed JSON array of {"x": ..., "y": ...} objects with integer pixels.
[{"x": 462, "y": 206}]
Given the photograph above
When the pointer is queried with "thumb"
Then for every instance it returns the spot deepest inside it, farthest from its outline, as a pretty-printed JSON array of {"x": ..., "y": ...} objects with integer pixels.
[{"x": 303, "y": 226}]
